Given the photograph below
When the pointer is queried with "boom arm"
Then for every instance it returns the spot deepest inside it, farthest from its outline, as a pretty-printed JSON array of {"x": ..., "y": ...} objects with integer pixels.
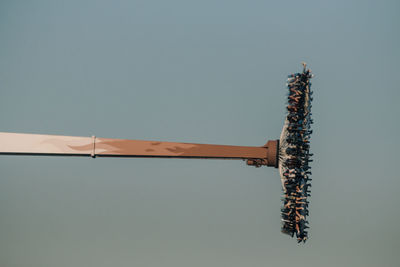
[{"x": 49, "y": 145}]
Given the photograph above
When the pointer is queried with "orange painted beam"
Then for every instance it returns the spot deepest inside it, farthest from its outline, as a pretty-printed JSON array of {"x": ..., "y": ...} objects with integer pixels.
[{"x": 36, "y": 144}]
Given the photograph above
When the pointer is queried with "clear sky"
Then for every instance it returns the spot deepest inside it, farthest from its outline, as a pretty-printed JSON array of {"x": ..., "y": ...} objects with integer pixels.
[{"x": 205, "y": 72}]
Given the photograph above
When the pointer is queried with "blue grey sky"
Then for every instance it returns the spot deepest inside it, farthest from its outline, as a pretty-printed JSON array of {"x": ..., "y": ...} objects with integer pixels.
[{"x": 203, "y": 72}]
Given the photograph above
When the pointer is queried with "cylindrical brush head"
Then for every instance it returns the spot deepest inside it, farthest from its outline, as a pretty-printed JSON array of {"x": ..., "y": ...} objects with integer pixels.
[{"x": 294, "y": 155}]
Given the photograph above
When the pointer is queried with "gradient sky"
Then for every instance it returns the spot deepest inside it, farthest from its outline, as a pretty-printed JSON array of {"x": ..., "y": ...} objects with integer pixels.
[{"x": 205, "y": 72}]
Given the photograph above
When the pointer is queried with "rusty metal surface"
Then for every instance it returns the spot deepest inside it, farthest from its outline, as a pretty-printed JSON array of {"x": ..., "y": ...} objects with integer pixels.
[
  {"x": 35, "y": 144},
  {"x": 109, "y": 147}
]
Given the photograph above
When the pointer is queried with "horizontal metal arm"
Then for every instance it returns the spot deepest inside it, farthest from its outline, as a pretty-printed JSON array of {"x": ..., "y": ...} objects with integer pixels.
[{"x": 36, "y": 144}]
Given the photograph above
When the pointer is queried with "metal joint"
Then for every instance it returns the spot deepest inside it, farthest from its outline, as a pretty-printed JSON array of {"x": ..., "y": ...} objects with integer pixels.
[
  {"x": 256, "y": 162},
  {"x": 93, "y": 154}
]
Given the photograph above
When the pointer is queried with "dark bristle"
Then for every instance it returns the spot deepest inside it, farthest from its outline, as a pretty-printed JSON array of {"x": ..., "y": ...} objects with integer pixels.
[{"x": 295, "y": 156}]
